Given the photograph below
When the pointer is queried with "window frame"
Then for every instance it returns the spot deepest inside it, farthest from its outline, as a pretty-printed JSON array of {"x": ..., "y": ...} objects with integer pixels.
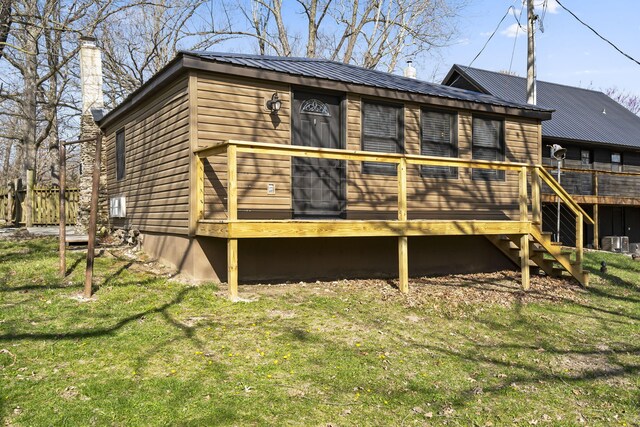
[
  {"x": 616, "y": 166},
  {"x": 582, "y": 158},
  {"x": 489, "y": 174},
  {"x": 121, "y": 172},
  {"x": 378, "y": 168},
  {"x": 441, "y": 171}
]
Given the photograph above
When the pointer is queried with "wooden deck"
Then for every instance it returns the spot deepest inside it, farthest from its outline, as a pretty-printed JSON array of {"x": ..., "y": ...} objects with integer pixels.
[{"x": 523, "y": 232}]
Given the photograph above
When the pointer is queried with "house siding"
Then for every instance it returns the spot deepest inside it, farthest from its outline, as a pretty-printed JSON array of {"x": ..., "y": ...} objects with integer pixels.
[
  {"x": 156, "y": 184},
  {"x": 234, "y": 108}
]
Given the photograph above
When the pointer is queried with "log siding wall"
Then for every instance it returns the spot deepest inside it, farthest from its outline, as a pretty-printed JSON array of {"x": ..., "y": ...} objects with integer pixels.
[{"x": 156, "y": 184}]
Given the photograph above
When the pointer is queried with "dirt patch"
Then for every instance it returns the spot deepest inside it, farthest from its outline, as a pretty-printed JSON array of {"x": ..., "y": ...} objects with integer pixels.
[
  {"x": 502, "y": 288},
  {"x": 584, "y": 365}
]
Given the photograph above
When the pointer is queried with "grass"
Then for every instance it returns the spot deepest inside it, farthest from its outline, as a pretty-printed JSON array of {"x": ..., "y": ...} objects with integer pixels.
[{"x": 152, "y": 351}]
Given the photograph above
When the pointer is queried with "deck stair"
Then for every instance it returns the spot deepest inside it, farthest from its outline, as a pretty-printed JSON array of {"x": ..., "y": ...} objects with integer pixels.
[{"x": 544, "y": 253}]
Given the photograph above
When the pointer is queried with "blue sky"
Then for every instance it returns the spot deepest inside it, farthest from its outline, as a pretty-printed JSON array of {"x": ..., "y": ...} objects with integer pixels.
[{"x": 567, "y": 52}]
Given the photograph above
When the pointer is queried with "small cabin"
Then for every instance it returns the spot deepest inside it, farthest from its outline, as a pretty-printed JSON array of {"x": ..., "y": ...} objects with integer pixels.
[{"x": 254, "y": 168}]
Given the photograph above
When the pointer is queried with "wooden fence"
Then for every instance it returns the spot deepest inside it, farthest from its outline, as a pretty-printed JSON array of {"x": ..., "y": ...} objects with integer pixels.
[{"x": 46, "y": 206}]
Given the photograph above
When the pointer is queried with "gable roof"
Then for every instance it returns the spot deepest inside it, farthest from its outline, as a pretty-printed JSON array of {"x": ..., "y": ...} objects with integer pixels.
[
  {"x": 337, "y": 71},
  {"x": 325, "y": 74},
  {"x": 580, "y": 114}
]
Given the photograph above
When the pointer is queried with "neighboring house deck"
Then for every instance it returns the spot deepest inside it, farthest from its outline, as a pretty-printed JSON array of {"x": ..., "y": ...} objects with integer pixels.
[
  {"x": 602, "y": 167},
  {"x": 359, "y": 174}
]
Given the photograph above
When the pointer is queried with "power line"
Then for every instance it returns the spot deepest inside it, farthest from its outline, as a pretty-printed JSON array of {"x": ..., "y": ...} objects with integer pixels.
[
  {"x": 515, "y": 39},
  {"x": 597, "y": 33},
  {"x": 491, "y": 36}
]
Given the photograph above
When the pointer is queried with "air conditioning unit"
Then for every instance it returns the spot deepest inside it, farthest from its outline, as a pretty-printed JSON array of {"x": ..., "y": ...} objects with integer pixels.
[
  {"x": 616, "y": 244},
  {"x": 117, "y": 207}
]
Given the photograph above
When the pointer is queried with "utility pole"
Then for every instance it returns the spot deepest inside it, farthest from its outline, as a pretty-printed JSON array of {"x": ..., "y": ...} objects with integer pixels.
[{"x": 531, "y": 54}]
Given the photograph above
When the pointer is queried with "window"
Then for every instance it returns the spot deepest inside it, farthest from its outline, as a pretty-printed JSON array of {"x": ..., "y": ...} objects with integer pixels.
[
  {"x": 120, "y": 164},
  {"x": 616, "y": 162},
  {"x": 381, "y": 131},
  {"x": 439, "y": 139},
  {"x": 488, "y": 144},
  {"x": 586, "y": 158}
]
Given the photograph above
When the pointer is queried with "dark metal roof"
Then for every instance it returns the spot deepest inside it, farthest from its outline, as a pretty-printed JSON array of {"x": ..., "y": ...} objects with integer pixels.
[
  {"x": 580, "y": 114},
  {"x": 346, "y": 73}
]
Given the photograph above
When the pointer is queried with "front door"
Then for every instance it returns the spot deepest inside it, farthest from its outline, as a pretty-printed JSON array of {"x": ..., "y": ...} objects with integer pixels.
[{"x": 317, "y": 184}]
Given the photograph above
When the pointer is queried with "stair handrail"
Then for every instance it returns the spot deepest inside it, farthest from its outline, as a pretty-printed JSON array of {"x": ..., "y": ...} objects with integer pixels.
[{"x": 563, "y": 194}]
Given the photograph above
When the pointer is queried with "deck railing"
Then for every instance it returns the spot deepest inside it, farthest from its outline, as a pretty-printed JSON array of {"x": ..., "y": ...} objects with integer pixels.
[
  {"x": 529, "y": 174},
  {"x": 611, "y": 187}
]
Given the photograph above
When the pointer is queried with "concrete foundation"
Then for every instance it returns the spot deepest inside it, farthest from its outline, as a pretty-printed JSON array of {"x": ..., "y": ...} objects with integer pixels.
[{"x": 310, "y": 259}]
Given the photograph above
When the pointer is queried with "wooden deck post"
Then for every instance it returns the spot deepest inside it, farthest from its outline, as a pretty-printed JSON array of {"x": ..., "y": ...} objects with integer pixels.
[
  {"x": 232, "y": 182},
  {"x": 535, "y": 197},
  {"x": 596, "y": 213},
  {"x": 524, "y": 239},
  {"x": 403, "y": 241},
  {"x": 232, "y": 212},
  {"x": 579, "y": 238},
  {"x": 232, "y": 267},
  {"x": 62, "y": 153}
]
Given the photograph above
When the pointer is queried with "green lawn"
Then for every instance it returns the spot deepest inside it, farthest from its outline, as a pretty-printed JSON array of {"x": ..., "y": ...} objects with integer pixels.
[{"x": 153, "y": 351}]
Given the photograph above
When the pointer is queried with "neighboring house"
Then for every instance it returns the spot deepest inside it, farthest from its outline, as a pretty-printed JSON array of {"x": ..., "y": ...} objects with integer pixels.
[
  {"x": 268, "y": 168},
  {"x": 602, "y": 139}
]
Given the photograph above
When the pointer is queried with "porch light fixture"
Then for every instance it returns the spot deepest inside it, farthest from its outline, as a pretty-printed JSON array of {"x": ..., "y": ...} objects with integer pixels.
[
  {"x": 274, "y": 104},
  {"x": 559, "y": 153}
]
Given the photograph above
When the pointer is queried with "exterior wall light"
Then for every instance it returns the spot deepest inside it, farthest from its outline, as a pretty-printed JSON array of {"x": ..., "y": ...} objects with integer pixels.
[
  {"x": 558, "y": 152},
  {"x": 274, "y": 104}
]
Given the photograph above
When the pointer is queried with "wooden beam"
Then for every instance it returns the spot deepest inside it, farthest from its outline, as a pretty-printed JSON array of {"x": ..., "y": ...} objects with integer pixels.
[
  {"x": 579, "y": 239},
  {"x": 403, "y": 264},
  {"x": 535, "y": 197},
  {"x": 195, "y": 162},
  {"x": 213, "y": 229},
  {"x": 232, "y": 267},
  {"x": 596, "y": 226},
  {"x": 592, "y": 200},
  {"x": 240, "y": 229},
  {"x": 232, "y": 182},
  {"x": 359, "y": 155},
  {"x": 93, "y": 219},
  {"x": 523, "y": 198},
  {"x": 524, "y": 261},
  {"x": 211, "y": 150},
  {"x": 402, "y": 190},
  {"x": 62, "y": 215}
]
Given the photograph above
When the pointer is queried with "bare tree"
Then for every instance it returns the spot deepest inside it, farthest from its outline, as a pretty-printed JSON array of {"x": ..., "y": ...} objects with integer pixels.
[
  {"x": 5, "y": 22},
  {"x": 370, "y": 33},
  {"x": 627, "y": 99},
  {"x": 138, "y": 45}
]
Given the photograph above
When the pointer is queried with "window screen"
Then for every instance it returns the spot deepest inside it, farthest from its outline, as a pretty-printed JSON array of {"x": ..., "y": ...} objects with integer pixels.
[
  {"x": 439, "y": 139},
  {"x": 381, "y": 131},
  {"x": 120, "y": 165},
  {"x": 488, "y": 144}
]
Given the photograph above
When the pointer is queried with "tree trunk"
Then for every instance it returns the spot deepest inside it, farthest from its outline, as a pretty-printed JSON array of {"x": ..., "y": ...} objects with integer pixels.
[
  {"x": 30, "y": 108},
  {"x": 5, "y": 22}
]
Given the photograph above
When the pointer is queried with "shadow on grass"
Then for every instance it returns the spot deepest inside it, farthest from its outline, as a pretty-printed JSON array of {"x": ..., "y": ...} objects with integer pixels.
[{"x": 96, "y": 332}]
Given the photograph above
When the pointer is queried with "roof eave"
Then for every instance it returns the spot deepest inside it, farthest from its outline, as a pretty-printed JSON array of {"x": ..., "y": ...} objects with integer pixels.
[{"x": 196, "y": 62}]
